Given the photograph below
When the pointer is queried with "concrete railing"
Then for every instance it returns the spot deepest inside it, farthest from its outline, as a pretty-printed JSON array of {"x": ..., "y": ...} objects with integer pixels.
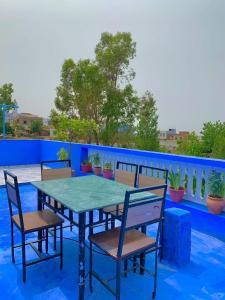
[{"x": 194, "y": 170}]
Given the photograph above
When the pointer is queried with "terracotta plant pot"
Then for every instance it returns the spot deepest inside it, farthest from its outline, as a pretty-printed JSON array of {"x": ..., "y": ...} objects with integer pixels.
[
  {"x": 108, "y": 174},
  {"x": 215, "y": 205},
  {"x": 86, "y": 168},
  {"x": 98, "y": 171},
  {"x": 176, "y": 195}
]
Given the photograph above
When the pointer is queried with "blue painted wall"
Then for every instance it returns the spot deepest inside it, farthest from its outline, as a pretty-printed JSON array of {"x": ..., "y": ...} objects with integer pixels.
[
  {"x": 14, "y": 152},
  {"x": 19, "y": 152},
  {"x": 49, "y": 149}
]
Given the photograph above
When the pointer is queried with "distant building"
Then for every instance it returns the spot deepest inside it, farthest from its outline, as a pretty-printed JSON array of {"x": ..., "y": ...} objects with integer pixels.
[
  {"x": 26, "y": 119},
  {"x": 183, "y": 134},
  {"x": 169, "y": 138}
]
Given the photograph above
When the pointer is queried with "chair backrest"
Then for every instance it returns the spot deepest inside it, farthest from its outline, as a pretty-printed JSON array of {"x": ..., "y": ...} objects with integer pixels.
[
  {"x": 151, "y": 176},
  {"x": 142, "y": 207},
  {"x": 12, "y": 189},
  {"x": 126, "y": 173},
  {"x": 56, "y": 172}
]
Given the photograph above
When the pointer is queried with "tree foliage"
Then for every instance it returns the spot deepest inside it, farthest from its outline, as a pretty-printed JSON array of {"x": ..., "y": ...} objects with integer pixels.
[
  {"x": 36, "y": 126},
  {"x": 213, "y": 134},
  {"x": 191, "y": 145},
  {"x": 211, "y": 142},
  {"x": 147, "y": 128},
  {"x": 68, "y": 129},
  {"x": 6, "y": 97},
  {"x": 100, "y": 90}
]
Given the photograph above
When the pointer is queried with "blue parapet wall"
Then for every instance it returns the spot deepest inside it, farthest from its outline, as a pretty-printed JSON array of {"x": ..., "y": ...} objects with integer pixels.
[{"x": 19, "y": 152}]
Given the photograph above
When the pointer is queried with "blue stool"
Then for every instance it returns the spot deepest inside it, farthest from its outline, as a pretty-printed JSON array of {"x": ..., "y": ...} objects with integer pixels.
[{"x": 177, "y": 236}]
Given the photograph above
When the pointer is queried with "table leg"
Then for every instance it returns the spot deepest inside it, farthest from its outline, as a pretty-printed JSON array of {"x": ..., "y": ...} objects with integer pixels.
[
  {"x": 81, "y": 262},
  {"x": 39, "y": 207}
]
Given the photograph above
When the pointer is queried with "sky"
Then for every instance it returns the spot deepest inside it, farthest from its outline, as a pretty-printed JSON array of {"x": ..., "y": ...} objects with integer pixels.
[{"x": 180, "y": 51}]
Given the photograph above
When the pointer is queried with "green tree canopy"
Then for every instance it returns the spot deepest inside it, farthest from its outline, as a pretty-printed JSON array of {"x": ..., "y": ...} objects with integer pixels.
[
  {"x": 6, "y": 97},
  {"x": 65, "y": 100},
  {"x": 147, "y": 128},
  {"x": 191, "y": 145},
  {"x": 36, "y": 126},
  {"x": 68, "y": 129},
  {"x": 100, "y": 90},
  {"x": 212, "y": 135}
]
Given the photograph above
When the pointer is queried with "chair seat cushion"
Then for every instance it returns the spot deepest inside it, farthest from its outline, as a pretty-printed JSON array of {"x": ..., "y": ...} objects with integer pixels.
[
  {"x": 134, "y": 241},
  {"x": 38, "y": 220}
]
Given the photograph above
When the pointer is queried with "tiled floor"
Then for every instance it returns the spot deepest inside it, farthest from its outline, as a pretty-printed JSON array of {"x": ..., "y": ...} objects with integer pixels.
[
  {"x": 25, "y": 173},
  {"x": 203, "y": 278}
]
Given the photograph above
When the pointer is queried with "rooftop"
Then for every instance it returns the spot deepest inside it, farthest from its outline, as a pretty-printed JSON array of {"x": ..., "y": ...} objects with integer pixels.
[{"x": 203, "y": 278}]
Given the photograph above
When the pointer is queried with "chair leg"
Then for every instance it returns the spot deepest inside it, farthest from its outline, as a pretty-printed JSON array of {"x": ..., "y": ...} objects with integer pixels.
[
  {"x": 112, "y": 222},
  {"x": 155, "y": 275},
  {"x": 54, "y": 237},
  {"x": 91, "y": 216},
  {"x": 161, "y": 242},
  {"x": 125, "y": 267},
  {"x": 107, "y": 222},
  {"x": 142, "y": 256},
  {"x": 61, "y": 247},
  {"x": 12, "y": 242},
  {"x": 46, "y": 240},
  {"x": 118, "y": 271},
  {"x": 90, "y": 268},
  {"x": 24, "y": 257},
  {"x": 135, "y": 264},
  {"x": 71, "y": 220}
]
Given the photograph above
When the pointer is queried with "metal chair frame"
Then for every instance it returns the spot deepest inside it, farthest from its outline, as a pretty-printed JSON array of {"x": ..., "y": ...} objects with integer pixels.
[
  {"x": 11, "y": 182},
  {"x": 165, "y": 171},
  {"x": 165, "y": 176},
  {"x": 128, "y": 203},
  {"x": 118, "y": 164}
]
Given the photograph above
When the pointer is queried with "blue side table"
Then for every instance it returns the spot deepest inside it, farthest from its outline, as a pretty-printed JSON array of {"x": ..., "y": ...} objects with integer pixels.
[{"x": 177, "y": 236}]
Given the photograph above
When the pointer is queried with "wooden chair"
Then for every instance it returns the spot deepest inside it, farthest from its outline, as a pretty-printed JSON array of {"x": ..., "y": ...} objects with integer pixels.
[
  {"x": 125, "y": 242},
  {"x": 57, "y": 172},
  {"x": 29, "y": 223},
  {"x": 125, "y": 173},
  {"x": 151, "y": 176}
]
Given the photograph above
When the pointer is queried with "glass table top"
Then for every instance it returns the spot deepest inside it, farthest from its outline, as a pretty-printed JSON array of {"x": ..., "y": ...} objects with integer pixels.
[{"x": 84, "y": 193}]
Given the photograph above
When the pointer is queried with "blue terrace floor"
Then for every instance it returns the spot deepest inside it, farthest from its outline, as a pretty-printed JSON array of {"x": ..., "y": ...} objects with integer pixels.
[{"x": 203, "y": 278}]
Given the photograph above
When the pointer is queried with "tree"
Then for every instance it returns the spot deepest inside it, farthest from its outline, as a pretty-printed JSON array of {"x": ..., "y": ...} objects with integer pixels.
[
  {"x": 191, "y": 145},
  {"x": 65, "y": 100},
  {"x": 36, "y": 126},
  {"x": 68, "y": 129},
  {"x": 6, "y": 97},
  {"x": 113, "y": 56},
  {"x": 218, "y": 150},
  {"x": 147, "y": 128},
  {"x": 100, "y": 90},
  {"x": 212, "y": 135},
  {"x": 89, "y": 85}
]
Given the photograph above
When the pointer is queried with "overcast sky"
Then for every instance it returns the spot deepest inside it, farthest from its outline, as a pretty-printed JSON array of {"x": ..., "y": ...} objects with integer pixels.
[{"x": 180, "y": 51}]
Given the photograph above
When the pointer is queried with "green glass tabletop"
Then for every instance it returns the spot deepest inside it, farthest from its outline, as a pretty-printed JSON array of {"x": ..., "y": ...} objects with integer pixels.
[{"x": 84, "y": 193}]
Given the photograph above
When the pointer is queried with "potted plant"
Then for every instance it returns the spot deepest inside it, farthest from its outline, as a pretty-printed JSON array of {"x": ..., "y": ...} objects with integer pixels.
[
  {"x": 107, "y": 170},
  {"x": 62, "y": 154},
  {"x": 86, "y": 166},
  {"x": 176, "y": 188},
  {"x": 215, "y": 200},
  {"x": 96, "y": 160}
]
